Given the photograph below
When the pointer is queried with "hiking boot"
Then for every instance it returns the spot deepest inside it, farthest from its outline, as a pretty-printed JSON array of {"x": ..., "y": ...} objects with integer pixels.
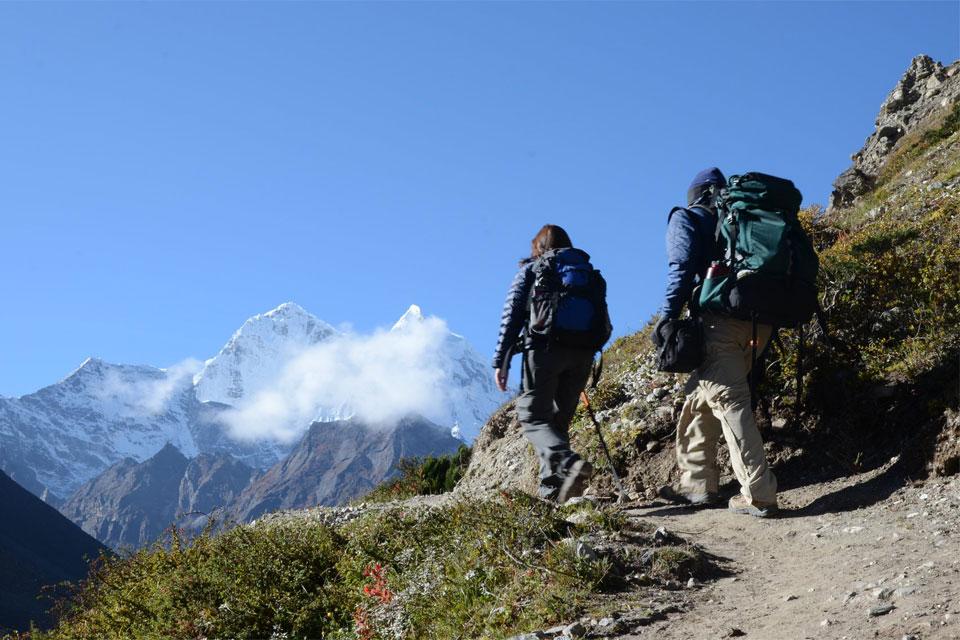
[
  {"x": 704, "y": 499},
  {"x": 739, "y": 504},
  {"x": 576, "y": 481},
  {"x": 548, "y": 493}
]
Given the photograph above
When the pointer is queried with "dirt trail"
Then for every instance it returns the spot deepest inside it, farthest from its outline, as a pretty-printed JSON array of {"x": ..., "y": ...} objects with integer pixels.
[{"x": 837, "y": 551}]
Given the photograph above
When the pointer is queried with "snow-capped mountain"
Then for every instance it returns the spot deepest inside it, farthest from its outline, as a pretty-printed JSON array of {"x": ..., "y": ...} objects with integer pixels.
[
  {"x": 258, "y": 352},
  {"x": 63, "y": 435},
  {"x": 72, "y": 430},
  {"x": 67, "y": 433},
  {"x": 465, "y": 385}
]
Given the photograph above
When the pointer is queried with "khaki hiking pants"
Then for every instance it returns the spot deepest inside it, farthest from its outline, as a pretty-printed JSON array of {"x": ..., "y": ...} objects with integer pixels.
[{"x": 718, "y": 401}]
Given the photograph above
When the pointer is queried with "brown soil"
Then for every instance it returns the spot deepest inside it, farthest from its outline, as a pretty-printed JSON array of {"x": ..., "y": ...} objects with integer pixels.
[{"x": 837, "y": 550}]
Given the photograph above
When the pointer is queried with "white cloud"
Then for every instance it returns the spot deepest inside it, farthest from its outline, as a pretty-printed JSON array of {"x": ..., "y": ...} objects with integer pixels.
[
  {"x": 136, "y": 396},
  {"x": 378, "y": 378}
]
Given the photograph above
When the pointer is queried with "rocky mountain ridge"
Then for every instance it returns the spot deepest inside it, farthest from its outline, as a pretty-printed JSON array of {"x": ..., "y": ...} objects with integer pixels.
[
  {"x": 131, "y": 504},
  {"x": 926, "y": 91},
  {"x": 339, "y": 461}
]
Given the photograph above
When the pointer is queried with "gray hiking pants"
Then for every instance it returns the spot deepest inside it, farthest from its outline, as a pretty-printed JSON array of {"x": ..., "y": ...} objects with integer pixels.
[
  {"x": 552, "y": 381},
  {"x": 718, "y": 403}
]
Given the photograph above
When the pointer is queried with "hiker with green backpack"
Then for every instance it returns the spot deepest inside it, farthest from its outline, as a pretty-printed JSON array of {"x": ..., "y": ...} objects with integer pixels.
[
  {"x": 743, "y": 265},
  {"x": 556, "y": 316}
]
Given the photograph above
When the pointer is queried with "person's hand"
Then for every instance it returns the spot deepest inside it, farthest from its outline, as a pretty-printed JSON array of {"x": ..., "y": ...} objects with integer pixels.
[
  {"x": 500, "y": 377},
  {"x": 656, "y": 336}
]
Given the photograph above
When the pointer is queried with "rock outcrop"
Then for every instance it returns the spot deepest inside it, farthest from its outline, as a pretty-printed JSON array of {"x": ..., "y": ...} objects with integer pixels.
[
  {"x": 925, "y": 92},
  {"x": 502, "y": 458},
  {"x": 637, "y": 424}
]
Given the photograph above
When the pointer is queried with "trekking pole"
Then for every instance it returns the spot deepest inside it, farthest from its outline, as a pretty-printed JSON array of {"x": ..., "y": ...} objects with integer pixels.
[{"x": 622, "y": 493}]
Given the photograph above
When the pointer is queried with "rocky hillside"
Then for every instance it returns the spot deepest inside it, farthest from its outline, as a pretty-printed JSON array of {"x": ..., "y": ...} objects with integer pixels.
[
  {"x": 130, "y": 504},
  {"x": 927, "y": 91},
  {"x": 338, "y": 461}
]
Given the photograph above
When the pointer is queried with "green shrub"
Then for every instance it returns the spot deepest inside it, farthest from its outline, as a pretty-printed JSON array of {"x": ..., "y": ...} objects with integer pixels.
[
  {"x": 245, "y": 583},
  {"x": 608, "y": 394},
  {"x": 949, "y": 126},
  {"x": 893, "y": 295},
  {"x": 423, "y": 476},
  {"x": 916, "y": 143},
  {"x": 475, "y": 569}
]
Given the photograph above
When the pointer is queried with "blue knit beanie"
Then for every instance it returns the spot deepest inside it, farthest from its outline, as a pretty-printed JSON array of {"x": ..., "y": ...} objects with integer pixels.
[{"x": 703, "y": 181}]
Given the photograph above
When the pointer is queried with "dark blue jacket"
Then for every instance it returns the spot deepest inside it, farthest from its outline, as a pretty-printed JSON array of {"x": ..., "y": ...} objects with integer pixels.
[
  {"x": 515, "y": 310},
  {"x": 691, "y": 242},
  {"x": 514, "y": 315}
]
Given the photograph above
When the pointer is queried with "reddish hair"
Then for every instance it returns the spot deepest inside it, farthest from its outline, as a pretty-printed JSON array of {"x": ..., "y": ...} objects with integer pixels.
[{"x": 549, "y": 237}]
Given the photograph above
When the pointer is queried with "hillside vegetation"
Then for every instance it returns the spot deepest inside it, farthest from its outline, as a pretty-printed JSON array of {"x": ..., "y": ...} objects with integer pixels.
[{"x": 458, "y": 569}]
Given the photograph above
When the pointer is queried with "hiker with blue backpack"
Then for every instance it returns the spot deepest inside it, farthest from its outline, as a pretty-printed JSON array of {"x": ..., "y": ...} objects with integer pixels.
[
  {"x": 556, "y": 316},
  {"x": 741, "y": 262}
]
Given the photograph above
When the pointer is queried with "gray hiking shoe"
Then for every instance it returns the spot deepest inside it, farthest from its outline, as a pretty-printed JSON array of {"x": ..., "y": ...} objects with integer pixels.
[
  {"x": 576, "y": 481},
  {"x": 705, "y": 499},
  {"x": 739, "y": 504}
]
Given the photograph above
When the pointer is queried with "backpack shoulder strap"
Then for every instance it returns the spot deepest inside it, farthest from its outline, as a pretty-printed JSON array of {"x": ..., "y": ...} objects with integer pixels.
[
  {"x": 731, "y": 253},
  {"x": 541, "y": 264}
]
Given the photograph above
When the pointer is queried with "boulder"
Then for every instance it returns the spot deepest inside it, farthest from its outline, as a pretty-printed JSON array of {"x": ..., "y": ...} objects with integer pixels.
[{"x": 502, "y": 459}]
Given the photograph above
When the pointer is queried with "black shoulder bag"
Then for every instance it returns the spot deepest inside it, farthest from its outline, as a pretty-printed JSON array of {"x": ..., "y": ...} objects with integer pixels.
[{"x": 682, "y": 349}]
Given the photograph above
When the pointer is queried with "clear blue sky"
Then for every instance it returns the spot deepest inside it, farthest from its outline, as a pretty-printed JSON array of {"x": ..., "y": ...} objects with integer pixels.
[{"x": 167, "y": 170}]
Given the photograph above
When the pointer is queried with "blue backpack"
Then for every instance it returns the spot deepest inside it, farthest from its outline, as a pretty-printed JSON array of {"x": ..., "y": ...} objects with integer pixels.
[{"x": 568, "y": 301}]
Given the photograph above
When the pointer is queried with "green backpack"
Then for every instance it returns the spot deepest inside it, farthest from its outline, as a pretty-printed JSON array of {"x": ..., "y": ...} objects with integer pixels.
[{"x": 768, "y": 266}]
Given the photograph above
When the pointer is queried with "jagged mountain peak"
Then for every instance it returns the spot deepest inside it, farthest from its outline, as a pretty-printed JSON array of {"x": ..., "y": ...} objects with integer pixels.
[
  {"x": 411, "y": 317},
  {"x": 288, "y": 307},
  {"x": 414, "y": 316},
  {"x": 283, "y": 319},
  {"x": 91, "y": 366},
  {"x": 258, "y": 351},
  {"x": 288, "y": 310},
  {"x": 90, "y": 362}
]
